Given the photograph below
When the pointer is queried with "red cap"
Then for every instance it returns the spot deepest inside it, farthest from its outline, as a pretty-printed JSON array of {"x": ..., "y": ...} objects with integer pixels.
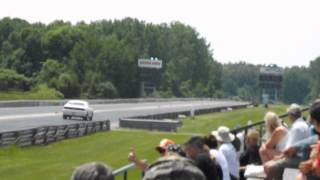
[{"x": 164, "y": 143}]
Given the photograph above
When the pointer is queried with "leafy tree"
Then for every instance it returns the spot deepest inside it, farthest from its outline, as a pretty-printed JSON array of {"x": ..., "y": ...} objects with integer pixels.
[
  {"x": 68, "y": 85},
  {"x": 8, "y": 25},
  {"x": 106, "y": 90},
  {"x": 185, "y": 89},
  {"x": 59, "y": 41},
  {"x": 240, "y": 79},
  {"x": 10, "y": 79},
  {"x": 50, "y": 72},
  {"x": 296, "y": 85},
  {"x": 315, "y": 78}
]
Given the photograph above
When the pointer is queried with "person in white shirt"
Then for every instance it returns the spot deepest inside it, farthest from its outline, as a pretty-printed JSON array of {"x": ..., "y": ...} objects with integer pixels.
[
  {"x": 299, "y": 129},
  {"x": 224, "y": 136},
  {"x": 212, "y": 143}
]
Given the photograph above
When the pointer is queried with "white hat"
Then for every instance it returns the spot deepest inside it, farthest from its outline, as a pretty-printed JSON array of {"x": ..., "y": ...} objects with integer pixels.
[
  {"x": 294, "y": 109},
  {"x": 293, "y": 106},
  {"x": 223, "y": 134}
]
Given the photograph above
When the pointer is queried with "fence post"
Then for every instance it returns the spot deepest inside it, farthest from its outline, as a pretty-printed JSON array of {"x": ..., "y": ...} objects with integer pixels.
[
  {"x": 260, "y": 131},
  {"x": 125, "y": 175}
]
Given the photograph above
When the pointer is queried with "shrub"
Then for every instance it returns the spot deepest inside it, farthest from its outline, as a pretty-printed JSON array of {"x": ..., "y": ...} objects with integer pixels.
[{"x": 10, "y": 79}]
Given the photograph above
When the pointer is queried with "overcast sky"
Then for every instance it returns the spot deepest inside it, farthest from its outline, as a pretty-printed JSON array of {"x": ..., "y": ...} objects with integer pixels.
[{"x": 284, "y": 32}]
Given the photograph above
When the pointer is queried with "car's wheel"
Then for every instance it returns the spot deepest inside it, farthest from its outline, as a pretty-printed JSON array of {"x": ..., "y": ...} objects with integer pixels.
[{"x": 85, "y": 118}]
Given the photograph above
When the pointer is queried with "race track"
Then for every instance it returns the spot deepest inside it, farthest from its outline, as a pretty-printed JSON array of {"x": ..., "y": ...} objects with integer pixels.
[{"x": 30, "y": 117}]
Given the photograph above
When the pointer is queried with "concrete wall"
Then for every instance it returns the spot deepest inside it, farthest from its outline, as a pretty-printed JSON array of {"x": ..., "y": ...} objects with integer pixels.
[
  {"x": 170, "y": 115},
  {"x": 50, "y": 134},
  {"x": 160, "y": 125}
]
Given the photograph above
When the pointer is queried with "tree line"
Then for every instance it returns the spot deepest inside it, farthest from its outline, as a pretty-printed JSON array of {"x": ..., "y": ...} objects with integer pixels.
[{"x": 99, "y": 60}]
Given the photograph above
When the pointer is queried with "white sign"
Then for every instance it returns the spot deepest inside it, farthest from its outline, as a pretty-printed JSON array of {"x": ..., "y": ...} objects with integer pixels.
[
  {"x": 271, "y": 70},
  {"x": 147, "y": 63}
]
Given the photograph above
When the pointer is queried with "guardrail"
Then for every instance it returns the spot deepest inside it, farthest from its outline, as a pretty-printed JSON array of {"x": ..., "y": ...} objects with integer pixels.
[
  {"x": 28, "y": 103},
  {"x": 124, "y": 170},
  {"x": 49, "y": 134}
]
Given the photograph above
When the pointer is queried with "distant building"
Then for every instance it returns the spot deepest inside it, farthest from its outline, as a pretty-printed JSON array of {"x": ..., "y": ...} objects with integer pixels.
[{"x": 270, "y": 83}]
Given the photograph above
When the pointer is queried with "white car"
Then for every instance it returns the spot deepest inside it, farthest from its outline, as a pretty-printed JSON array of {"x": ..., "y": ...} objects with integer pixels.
[{"x": 77, "y": 108}]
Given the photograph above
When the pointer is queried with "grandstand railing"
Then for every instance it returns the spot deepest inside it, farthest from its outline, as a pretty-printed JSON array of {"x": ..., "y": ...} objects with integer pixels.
[{"x": 124, "y": 170}]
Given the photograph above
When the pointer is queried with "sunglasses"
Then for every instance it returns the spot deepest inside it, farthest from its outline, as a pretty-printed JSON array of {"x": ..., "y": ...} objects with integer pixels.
[{"x": 161, "y": 151}]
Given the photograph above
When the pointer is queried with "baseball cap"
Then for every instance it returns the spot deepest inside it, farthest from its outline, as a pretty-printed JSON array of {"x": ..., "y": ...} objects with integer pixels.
[
  {"x": 294, "y": 109},
  {"x": 163, "y": 145}
]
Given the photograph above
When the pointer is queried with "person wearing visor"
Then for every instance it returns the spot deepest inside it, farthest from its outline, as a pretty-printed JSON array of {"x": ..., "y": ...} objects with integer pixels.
[
  {"x": 162, "y": 149},
  {"x": 163, "y": 146}
]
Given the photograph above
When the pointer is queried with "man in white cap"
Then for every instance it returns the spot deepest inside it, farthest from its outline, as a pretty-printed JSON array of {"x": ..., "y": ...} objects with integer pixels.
[
  {"x": 224, "y": 136},
  {"x": 299, "y": 129}
]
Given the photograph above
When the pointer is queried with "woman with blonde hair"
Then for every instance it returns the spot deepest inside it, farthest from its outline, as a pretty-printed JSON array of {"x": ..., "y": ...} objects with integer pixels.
[{"x": 277, "y": 142}]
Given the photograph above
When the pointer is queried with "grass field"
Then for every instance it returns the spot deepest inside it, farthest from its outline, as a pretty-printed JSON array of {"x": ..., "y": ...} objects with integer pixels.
[{"x": 58, "y": 160}]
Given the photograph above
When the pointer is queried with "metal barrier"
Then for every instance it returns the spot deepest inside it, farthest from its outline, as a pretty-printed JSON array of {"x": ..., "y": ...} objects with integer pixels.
[
  {"x": 49, "y": 134},
  {"x": 124, "y": 170}
]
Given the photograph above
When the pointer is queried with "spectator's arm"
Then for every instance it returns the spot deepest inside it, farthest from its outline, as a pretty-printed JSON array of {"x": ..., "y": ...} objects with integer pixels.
[
  {"x": 317, "y": 171},
  {"x": 138, "y": 163},
  {"x": 300, "y": 145},
  {"x": 316, "y": 164},
  {"x": 141, "y": 165},
  {"x": 243, "y": 168},
  {"x": 305, "y": 167},
  {"x": 275, "y": 138}
]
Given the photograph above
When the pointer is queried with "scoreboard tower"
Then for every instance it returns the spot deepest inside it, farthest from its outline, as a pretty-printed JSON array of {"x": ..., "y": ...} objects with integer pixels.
[
  {"x": 270, "y": 83},
  {"x": 149, "y": 72}
]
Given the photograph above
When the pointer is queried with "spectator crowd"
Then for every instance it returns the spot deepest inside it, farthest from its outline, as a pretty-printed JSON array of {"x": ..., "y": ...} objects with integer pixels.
[{"x": 222, "y": 155}]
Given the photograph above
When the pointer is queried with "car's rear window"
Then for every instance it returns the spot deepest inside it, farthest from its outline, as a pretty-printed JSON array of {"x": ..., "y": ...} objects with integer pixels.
[{"x": 77, "y": 103}]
